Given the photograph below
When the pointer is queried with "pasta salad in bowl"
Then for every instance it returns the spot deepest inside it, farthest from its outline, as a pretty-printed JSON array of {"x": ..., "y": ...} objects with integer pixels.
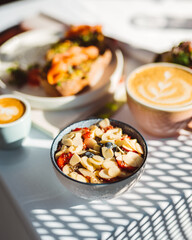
[{"x": 99, "y": 158}]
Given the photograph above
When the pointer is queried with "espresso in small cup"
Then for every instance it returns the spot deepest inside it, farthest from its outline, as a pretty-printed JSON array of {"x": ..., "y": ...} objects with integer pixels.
[
  {"x": 11, "y": 109},
  {"x": 160, "y": 97},
  {"x": 15, "y": 121}
]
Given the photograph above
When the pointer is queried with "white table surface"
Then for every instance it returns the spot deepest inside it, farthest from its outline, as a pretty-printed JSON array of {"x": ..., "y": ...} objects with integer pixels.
[{"x": 34, "y": 205}]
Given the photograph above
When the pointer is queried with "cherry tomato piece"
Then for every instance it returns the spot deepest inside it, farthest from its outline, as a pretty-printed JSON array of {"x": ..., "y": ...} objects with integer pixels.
[
  {"x": 124, "y": 137},
  {"x": 108, "y": 128},
  {"x": 77, "y": 129},
  {"x": 84, "y": 146},
  {"x": 64, "y": 159},
  {"x": 86, "y": 133},
  {"x": 85, "y": 130},
  {"x": 125, "y": 166}
]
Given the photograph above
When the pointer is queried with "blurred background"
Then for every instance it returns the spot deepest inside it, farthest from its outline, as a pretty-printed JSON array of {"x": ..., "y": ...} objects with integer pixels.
[{"x": 156, "y": 25}]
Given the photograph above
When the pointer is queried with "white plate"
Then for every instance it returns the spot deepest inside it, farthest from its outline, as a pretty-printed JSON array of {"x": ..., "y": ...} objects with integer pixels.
[{"x": 29, "y": 48}]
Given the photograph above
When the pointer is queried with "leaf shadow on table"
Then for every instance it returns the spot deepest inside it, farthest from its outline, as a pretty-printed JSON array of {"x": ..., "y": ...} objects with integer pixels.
[{"x": 158, "y": 207}]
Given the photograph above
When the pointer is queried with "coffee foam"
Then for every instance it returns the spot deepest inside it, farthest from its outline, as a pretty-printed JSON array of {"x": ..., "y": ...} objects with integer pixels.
[
  {"x": 6, "y": 113},
  {"x": 10, "y": 110},
  {"x": 162, "y": 86}
]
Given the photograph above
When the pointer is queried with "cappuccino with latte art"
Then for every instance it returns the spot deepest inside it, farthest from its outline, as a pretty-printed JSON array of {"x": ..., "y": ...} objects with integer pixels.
[
  {"x": 159, "y": 96},
  {"x": 162, "y": 86}
]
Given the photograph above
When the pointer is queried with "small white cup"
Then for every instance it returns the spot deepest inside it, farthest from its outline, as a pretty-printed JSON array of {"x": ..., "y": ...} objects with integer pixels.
[{"x": 13, "y": 133}]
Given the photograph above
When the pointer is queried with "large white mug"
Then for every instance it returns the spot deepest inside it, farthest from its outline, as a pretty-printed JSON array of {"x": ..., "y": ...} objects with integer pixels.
[
  {"x": 15, "y": 120},
  {"x": 159, "y": 96}
]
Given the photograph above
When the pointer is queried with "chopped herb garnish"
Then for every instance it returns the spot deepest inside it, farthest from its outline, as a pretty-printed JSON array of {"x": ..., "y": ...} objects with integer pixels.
[
  {"x": 182, "y": 58},
  {"x": 18, "y": 77}
]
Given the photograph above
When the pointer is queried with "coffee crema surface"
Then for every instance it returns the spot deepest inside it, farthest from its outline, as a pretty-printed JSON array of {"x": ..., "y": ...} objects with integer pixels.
[
  {"x": 162, "y": 86},
  {"x": 11, "y": 109}
]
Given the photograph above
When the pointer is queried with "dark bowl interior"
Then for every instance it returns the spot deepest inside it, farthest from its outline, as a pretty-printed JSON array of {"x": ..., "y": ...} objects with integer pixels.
[{"x": 104, "y": 190}]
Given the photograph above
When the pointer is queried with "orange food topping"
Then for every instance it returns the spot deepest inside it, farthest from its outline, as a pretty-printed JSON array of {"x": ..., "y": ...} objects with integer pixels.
[
  {"x": 72, "y": 57},
  {"x": 83, "y": 30}
]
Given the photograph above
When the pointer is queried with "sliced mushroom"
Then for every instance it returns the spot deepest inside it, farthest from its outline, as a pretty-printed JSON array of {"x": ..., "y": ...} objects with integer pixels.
[
  {"x": 81, "y": 178},
  {"x": 96, "y": 161},
  {"x": 78, "y": 149},
  {"x": 133, "y": 159},
  {"x": 81, "y": 152},
  {"x": 78, "y": 177},
  {"x": 77, "y": 140},
  {"x": 98, "y": 158},
  {"x": 96, "y": 147},
  {"x": 118, "y": 154},
  {"x": 75, "y": 159},
  {"x": 67, "y": 169},
  {"x": 93, "y": 151},
  {"x": 127, "y": 147},
  {"x": 114, "y": 133},
  {"x": 104, "y": 123},
  {"x": 73, "y": 175},
  {"x": 114, "y": 171},
  {"x": 104, "y": 174},
  {"x": 119, "y": 142},
  {"x": 59, "y": 153},
  {"x": 105, "y": 137},
  {"x": 86, "y": 164},
  {"x": 107, "y": 152},
  {"x": 63, "y": 147},
  {"x": 90, "y": 142},
  {"x": 71, "y": 149},
  {"x": 130, "y": 143},
  {"x": 139, "y": 148},
  {"x": 67, "y": 142},
  {"x": 85, "y": 172},
  {"x": 69, "y": 135},
  {"x": 108, "y": 163},
  {"x": 120, "y": 157},
  {"x": 98, "y": 132},
  {"x": 95, "y": 179},
  {"x": 96, "y": 173}
]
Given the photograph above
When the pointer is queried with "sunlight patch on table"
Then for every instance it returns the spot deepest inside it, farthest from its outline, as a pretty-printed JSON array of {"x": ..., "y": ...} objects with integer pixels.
[{"x": 37, "y": 143}]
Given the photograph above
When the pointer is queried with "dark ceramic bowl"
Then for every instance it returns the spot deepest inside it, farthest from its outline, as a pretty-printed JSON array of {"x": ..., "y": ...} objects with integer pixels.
[{"x": 105, "y": 190}]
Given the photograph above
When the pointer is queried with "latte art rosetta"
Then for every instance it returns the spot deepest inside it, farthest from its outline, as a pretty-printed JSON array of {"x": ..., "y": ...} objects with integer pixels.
[{"x": 162, "y": 86}]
